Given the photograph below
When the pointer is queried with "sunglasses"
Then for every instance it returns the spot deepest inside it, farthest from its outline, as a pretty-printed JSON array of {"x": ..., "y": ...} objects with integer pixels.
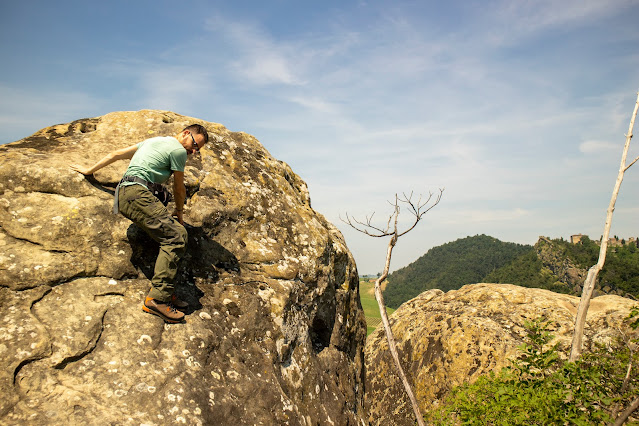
[{"x": 197, "y": 147}]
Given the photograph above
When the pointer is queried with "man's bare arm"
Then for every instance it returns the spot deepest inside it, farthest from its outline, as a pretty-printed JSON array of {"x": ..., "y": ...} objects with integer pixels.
[
  {"x": 120, "y": 154},
  {"x": 179, "y": 194}
]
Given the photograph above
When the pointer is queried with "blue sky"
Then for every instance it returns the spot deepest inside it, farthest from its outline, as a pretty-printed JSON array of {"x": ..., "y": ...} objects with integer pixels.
[{"x": 517, "y": 108}]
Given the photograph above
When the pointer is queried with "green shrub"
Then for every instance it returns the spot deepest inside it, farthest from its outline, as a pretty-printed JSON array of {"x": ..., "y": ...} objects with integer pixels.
[{"x": 540, "y": 389}]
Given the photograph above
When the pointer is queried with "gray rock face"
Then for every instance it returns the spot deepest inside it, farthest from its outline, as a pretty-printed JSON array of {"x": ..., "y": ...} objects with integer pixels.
[
  {"x": 275, "y": 333},
  {"x": 446, "y": 339},
  {"x": 561, "y": 266}
]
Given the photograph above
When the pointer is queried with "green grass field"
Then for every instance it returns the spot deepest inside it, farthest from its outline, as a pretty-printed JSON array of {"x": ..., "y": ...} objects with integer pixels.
[{"x": 371, "y": 308}]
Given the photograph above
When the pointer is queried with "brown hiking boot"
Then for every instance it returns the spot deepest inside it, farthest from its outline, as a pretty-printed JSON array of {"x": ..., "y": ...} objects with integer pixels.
[
  {"x": 178, "y": 303},
  {"x": 166, "y": 311}
]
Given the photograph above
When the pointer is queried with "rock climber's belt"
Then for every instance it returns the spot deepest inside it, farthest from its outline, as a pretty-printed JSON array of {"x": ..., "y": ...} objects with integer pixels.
[{"x": 156, "y": 188}]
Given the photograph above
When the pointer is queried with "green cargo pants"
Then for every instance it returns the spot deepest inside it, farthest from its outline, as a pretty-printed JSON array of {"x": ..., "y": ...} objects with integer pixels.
[{"x": 139, "y": 205}]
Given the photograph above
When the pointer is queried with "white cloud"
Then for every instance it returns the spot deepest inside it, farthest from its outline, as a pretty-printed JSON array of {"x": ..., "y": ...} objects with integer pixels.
[
  {"x": 594, "y": 147},
  {"x": 478, "y": 216},
  {"x": 315, "y": 104},
  {"x": 514, "y": 20},
  {"x": 175, "y": 88},
  {"x": 255, "y": 55}
]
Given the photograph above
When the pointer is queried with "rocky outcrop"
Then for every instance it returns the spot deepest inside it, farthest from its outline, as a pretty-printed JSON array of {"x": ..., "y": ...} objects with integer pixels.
[
  {"x": 445, "y": 339},
  {"x": 556, "y": 263},
  {"x": 275, "y": 334}
]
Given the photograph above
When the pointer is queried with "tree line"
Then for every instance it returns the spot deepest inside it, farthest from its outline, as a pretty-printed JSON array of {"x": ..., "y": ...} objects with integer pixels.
[{"x": 482, "y": 258}]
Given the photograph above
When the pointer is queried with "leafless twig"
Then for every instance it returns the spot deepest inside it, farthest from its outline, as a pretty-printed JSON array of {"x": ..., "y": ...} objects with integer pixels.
[{"x": 418, "y": 210}]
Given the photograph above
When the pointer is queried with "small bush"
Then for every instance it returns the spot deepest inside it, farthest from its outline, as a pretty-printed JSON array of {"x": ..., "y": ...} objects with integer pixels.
[{"x": 540, "y": 389}]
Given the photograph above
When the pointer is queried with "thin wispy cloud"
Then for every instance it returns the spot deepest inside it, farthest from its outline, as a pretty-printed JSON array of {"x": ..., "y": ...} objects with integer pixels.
[
  {"x": 515, "y": 20},
  {"x": 595, "y": 147},
  {"x": 486, "y": 216},
  {"x": 172, "y": 87},
  {"x": 257, "y": 57}
]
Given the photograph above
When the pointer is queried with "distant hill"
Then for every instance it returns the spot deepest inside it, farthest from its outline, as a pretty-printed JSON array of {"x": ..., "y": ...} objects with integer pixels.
[
  {"x": 561, "y": 266},
  {"x": 450, "y": 266},
  {"x": 556, "y": 265}
]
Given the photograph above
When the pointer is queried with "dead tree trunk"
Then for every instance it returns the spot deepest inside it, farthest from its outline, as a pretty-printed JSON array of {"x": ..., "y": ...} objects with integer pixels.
[
  {"x": 392, "y": 346},
  {"x": 627, "y": 412},
  {"x": 591, "y": 278},
  {"x": 418, "y": 209}
]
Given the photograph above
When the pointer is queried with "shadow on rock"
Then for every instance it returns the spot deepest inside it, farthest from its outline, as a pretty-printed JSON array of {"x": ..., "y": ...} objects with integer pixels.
[
  {"x": 99, "y": 185},
  {"x": 203, "y": 262}
]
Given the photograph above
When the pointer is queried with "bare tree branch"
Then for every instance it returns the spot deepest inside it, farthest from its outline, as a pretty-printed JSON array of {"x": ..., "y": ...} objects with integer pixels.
[
  {"x": 364, "y": 226},
  {"x": 589, "y": 284},
  {"x": 418, "y": 210},
  {"x": 624, "y": 416},
  {"x": 631, "y": 163}
]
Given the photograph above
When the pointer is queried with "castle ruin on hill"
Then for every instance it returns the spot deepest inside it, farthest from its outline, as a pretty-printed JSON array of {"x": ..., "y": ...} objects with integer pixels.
[{"x": 612, "y": 242}]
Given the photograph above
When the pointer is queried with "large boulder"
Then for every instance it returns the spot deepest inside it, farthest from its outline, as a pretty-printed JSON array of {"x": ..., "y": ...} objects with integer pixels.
[
  {"x": 275, "y": 334},
  {"x": 446, "y": 339}
]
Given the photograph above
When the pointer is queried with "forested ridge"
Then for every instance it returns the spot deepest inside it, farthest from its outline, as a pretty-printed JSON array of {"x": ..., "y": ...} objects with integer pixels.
[
  {"x": 450, "y": 266},
  {"x": 620, "y": 274},
  {"x": 556, "y": 265}
]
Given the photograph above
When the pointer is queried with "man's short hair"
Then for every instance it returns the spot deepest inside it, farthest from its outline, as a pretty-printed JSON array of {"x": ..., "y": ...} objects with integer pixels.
[{"x": 198, "y": 129}]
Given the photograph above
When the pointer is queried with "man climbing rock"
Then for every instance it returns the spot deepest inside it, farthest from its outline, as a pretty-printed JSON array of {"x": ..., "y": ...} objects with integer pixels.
[{"x": 141, "y": 197}]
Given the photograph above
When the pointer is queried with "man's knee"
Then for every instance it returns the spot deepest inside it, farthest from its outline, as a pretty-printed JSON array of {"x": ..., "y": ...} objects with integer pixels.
[
  {"x": 175, "y": 232},
  {"x": 183, "y": 234},
  {"x": 166, "y": 230}
]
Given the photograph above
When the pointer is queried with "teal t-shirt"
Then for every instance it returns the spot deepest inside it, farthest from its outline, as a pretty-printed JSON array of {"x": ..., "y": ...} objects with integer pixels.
[{"x": 156, "y": 158}]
